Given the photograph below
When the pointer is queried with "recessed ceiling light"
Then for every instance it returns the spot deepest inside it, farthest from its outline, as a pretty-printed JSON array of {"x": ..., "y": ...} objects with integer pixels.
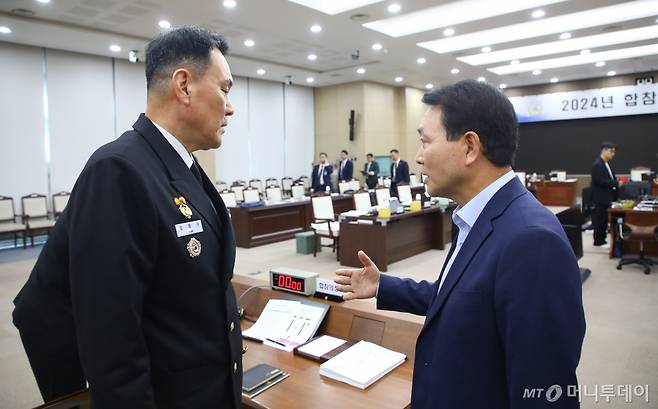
[
  {"x": 449, "y": 15},
  {"x": 600, "y": 64},
  {"x": 536, "y": 72},
  {"x": 312, "y": 57},
  {"x": 429, "y": 86},
  {"x": 394, "y": 8},
  {"x": 249, "y": 43},
  {"x": 515, "y": 62},
  {"x": 611, "y": 73},
  {"x": 482, "y": 79},
  {"x": 554, "y": 80},
  {"x": 448, "y": 32},
  {"x": 485, "y": 49},
  {"x": 565, "y": 36},
  {"x": 229, "y": 4},
  {"x": 585, "y": 52},
  {"x": 5, "y": 30},
  {"x": 573, "y": 60},
  {"x": 44, "y": 1},
  {"x": 316, "y": 28},
  {"x": 502, "y": 86},
  {"x": 454, "y": 71},
  {"x": 564, "y": 46},
  {"x": 360, "y": 70},
  {"x": 310, "y": 80},
  {"x": 538, "y": 14},
  {"x": 617, "y": 13},
  {"x": 115, "y": 48},
  {"x": 334, "y": 7},
  {"x": 260, "y": 71},
  {"x": 164, "y": 24},
  {"x": 376, "y": 46},
  {"x": 399, "y": 79},
  {"x": 421, "y": 60}
]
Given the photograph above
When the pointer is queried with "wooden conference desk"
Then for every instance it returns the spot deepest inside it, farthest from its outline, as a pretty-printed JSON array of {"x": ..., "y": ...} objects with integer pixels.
[
  {"x": 255, "y": 226},
  {"x": 555, "y": 193},
  {"x": 394, "y": 239},
  {"x": 305, "y": 388},
  {"x": 638, "y": 217}
]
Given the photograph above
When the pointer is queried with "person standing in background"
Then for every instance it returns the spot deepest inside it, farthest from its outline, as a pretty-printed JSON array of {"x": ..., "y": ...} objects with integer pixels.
[
  {"x": 604, "y": 191},
  {"x": 371, "y": 171},
  {"x": 345, "y": 167},
  {"x": 320, "y": 177},
  {"x": 399, "y": 171}
]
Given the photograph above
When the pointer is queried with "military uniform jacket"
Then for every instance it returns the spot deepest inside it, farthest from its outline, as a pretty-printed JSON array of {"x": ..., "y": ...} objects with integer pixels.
[{"x": 155, "y": 318}]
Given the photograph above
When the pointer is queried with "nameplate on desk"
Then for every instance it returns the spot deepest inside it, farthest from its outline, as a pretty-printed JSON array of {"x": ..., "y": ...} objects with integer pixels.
[{"x": 185, "y": 229}]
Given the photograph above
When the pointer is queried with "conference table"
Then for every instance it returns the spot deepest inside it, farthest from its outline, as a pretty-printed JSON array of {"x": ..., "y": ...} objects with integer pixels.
[
  {"x": 392, "y": 239},
  {"x": 351, "y": 320}
]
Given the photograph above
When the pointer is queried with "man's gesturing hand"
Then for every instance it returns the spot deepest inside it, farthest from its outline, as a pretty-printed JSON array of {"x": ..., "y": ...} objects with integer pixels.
[{"x": 358, "y": 282}]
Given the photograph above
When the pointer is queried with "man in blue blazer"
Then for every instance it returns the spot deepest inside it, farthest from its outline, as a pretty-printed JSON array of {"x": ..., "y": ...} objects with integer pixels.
[
  {"x": 504, "y": 320},
  {"x": 345, "y": 167},
  {"x": 399, "y": 171},
  {"x": 321, "y": 175}
]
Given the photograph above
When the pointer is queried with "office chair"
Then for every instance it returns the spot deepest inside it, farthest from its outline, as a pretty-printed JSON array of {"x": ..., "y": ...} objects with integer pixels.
[{"x": 633, "y": 232}]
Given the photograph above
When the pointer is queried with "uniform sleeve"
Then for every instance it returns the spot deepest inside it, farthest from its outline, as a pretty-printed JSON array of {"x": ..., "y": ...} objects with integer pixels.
[
  {"x": 540, "y": 317},
  {"x": 405, "y": 295},
  {"x": 113, "y": 242}
]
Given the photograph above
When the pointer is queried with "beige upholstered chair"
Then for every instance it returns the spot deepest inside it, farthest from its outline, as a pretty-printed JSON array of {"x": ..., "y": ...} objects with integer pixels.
[
  {"x": 298, "y": 191},
  {"x": 362, "y": 201},
  {"x": 35, "y": 215},
  {"x": 382, "y": 194},
  {"x": 60, "y": 200},
  {"x": 221, "y": 186},
  {"x": 237, "y": 188},
  {"x": 306, "y": 182},
  {"x": 325, "y": 224},
  {"x": 251, "y": 195},
  {"x": 413, "y": 179},
  {"x": 257, "y": 184},
  {"x": 273, "y": 193},
  {"x": 8, "y": 224},
  {"x": 355, "y": 185},
  {"x": 404, "y": 194},
  {"x": 272, "y": 182},
  {"x": 286, "y": 185},
  {"x": 228, "y": 197},
  {"x": 343, "y": 187}
]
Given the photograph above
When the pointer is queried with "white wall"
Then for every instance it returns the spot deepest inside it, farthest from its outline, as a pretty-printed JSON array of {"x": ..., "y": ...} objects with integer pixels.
[
  {"x": 23, "y": 168},
  {"x": 271, "y": 133},
  {"x": 130, "y": 91}
]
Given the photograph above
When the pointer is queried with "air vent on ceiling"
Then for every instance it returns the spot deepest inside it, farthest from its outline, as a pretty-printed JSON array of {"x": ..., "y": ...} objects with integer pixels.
[
  {"x": 23, "y": 12},
  {"x": 613, "y": 27},
  {"x": 334, "y": 75},
  {"x": 360, "y": 17}
]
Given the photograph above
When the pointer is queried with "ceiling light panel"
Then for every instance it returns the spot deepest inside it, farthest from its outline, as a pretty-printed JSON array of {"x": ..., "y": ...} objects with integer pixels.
[
  {"x": 332, "y": 7},
  {"x": 563, "y": 46},
  {"x": 619, "y": 54},
  {"x": 449, "y": 15},
  {"x": 547, "y": 26}
]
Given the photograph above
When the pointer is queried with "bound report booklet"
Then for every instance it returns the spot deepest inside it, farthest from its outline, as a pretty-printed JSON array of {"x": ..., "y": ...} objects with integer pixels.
[
  {"x": 259, "y": 378},
  {"x": 362, "y": 364}
]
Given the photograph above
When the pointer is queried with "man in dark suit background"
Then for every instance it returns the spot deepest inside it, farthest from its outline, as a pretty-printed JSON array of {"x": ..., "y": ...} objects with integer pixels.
[
  {"x": 321, "y": 175},
  {"x": 345, "y": 167},
  {"x": 132, "y": 292},
  {"x": 504, "y": 318},
  {"x": 371, "y": 171},
  {"x": 399, "y": 171},
  {"x": 604, "y": 191}
]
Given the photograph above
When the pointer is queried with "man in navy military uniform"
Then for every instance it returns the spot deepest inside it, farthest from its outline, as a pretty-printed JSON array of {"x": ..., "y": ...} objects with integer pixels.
[{"x": 132, "y": 291}]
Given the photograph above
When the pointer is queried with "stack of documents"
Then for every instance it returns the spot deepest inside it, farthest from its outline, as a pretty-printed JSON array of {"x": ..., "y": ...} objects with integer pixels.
[{"x": 362, "y": 364}]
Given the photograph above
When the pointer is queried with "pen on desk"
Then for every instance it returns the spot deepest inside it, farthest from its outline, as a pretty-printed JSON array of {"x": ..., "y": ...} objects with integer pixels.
[{"x": 276, "y": 342}]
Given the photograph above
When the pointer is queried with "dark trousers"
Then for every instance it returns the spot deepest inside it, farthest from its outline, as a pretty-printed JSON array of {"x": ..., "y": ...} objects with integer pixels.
[
  {"x": 600, "y": 222},
  {"x": 394, "y": 189},
  {"x": 57, "y": 375},
  {"x": 371, "y": 182}
]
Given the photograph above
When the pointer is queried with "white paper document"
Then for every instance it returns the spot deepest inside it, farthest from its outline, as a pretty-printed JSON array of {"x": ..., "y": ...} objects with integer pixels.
[
  {"x": 285, "y": 324},
  {"x": 321, "y": 346},
  {"x": 362, "y": 364}
]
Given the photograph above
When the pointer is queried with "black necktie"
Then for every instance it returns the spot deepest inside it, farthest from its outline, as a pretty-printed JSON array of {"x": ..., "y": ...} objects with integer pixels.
[{"x": 196, "y": 172}]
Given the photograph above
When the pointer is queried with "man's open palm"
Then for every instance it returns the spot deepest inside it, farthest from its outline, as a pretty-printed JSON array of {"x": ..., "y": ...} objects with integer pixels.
[{"x": 358, "y": 282}]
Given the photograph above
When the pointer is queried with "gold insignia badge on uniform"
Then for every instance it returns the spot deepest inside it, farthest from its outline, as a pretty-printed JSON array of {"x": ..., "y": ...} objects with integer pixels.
[
  {"x": 183, "y": 207},
  {"x": 194, "y": 247}
]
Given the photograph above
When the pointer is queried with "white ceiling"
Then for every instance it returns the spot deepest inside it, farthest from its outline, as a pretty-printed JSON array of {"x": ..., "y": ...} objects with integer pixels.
[{"x": 280, "y": 29}]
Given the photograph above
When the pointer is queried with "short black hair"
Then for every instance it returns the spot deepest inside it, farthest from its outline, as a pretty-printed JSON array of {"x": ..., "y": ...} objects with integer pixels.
[
  {"x": 395, "y": 150},
  {"x": 608, "y": 145},
  {"x": 344, "y": 151},
  {"x": 185, "y": 46},
  {"x": 322, "y": 153},
  {"x": 481, "y": 108},
  {"x": 371, "y": 155}
]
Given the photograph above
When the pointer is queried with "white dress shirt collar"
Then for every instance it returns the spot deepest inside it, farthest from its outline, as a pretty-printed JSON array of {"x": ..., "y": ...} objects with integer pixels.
[{"x": 178, "y": 147}]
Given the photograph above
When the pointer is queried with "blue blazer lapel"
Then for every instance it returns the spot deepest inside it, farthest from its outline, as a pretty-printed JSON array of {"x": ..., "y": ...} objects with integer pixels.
[{"x": 478, "y": 234}]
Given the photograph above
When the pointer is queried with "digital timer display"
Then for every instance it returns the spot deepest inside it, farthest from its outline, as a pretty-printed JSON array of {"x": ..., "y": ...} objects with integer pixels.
[{"x": 287, "y": 282}]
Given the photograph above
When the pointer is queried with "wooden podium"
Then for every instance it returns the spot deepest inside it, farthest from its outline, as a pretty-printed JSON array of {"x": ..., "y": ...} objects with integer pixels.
[{"x": 305, "y": 388}]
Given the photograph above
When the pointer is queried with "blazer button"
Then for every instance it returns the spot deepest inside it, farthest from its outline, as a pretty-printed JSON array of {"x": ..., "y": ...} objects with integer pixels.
[
  {"x": 235, "y": 367},
  {"x": 231, "y": 327}
]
